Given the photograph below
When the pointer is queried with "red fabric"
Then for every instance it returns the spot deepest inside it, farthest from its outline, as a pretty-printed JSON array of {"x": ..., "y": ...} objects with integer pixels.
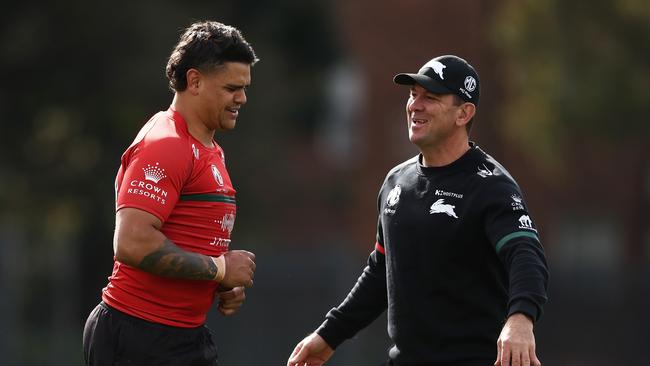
[
  {"x": 379, "y": 248},
  {"x": 171, "y": 175}
]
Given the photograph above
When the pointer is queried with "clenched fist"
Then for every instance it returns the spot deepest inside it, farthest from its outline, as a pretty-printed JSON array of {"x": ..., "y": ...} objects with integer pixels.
[{"x": 240, "y": 268}]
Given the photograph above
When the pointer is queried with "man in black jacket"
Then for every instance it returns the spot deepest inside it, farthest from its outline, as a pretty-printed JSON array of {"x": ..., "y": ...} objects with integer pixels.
[{"x": 458, "y": 261}]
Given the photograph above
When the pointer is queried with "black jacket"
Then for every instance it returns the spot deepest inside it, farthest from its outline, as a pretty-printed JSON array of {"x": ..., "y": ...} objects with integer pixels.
[{"x": 457, "y": 252}]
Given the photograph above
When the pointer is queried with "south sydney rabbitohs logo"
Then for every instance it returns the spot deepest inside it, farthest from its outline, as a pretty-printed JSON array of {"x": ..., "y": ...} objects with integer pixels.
[
  {"x": 148, "y": 187},
  {"x": 217, "y": 176},
  {"x": 437, "y": 67},
  {"x": 392, "y": 199},
  {"x": 441, "y": 207}
]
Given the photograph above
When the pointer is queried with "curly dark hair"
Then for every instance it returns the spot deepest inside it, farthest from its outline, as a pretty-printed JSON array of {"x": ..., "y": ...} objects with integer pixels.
[{"x": 205, "y": 46}]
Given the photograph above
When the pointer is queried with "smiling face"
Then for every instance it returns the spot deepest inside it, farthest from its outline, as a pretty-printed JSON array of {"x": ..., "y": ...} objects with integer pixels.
[
  {"x": 432, "y": 118},
  {"x": 221, "y": 93}
]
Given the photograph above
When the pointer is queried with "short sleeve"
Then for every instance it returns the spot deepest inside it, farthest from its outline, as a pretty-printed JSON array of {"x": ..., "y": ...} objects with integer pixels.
[{"x": 152, "y": 176}]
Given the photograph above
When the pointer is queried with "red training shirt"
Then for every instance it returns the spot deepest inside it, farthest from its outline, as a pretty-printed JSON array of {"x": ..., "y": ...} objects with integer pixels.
[{"x": 171, "y": 175}]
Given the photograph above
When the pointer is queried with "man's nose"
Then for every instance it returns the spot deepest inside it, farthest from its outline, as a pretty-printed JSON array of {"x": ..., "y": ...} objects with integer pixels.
[
  {"x": 414, "y": 104},
  {"x": 240, "y": 97}
]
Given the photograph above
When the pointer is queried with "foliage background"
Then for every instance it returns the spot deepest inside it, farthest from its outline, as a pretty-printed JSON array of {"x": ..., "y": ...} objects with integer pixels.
[{"x": 564, "y": 106}]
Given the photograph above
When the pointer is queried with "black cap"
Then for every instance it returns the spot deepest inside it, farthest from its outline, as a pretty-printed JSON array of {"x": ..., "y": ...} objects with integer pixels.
[{"x": 447, "y": 74}]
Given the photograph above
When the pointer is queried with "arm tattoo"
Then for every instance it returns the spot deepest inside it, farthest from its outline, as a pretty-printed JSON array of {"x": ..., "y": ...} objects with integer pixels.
[{"x": 171, "y": 261}]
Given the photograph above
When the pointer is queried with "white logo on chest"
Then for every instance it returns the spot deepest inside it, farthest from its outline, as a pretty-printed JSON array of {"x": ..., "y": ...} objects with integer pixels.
[
  {"x": 441, "y": 207},
  {"x": 393, "y": 196},
  {"x": 217, "y": 176},
  {"x": 392, "y": 199}
]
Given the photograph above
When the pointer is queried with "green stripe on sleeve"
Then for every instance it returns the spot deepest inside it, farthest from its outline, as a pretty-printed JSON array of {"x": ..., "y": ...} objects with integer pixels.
[
  {"x": 516, "y": 234},
  {"x": 208, "y": 197}
]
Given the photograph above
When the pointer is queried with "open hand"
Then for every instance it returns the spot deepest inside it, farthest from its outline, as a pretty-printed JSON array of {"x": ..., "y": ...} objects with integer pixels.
[
  {"x": 311, "y": 351},
  {"x": 516, "y": 344}
]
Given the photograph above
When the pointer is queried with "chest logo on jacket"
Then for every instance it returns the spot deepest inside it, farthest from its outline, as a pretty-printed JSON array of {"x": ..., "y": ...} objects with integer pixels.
[
  {"x": 392, "y": 199},
  {"x": 441, "y": 207}
]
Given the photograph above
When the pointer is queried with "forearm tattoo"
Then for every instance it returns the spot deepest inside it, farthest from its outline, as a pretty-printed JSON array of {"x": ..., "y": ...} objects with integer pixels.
[{"x": 172, "y": 261}]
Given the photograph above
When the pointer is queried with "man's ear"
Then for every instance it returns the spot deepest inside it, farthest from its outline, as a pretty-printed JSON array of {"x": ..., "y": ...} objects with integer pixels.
[
  {"x": 193, "y": 77},
  {"x": 466, "y": 113}
]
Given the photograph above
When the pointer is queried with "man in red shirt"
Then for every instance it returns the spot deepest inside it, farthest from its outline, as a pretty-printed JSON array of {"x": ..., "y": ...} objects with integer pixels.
[{"x": 175, "y": 210}]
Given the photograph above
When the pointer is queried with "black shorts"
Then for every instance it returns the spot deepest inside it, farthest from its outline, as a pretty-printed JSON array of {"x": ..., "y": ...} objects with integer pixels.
[{"x": 115, "y": 338}]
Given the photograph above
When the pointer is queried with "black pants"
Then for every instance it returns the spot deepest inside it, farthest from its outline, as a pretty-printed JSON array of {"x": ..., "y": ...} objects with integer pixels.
[{"x": 112, "y": 338}]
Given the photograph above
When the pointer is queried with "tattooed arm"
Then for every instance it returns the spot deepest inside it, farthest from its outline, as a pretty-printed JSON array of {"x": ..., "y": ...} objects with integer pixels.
[
  {"x": 138, "y": 242},
  {"x": 171, "y": 261}
]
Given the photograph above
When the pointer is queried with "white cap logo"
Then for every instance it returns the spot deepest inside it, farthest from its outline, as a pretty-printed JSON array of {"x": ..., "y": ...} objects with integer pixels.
[
  {"x": 437, "y": 67},
  {"x": 470, "y": 83}
]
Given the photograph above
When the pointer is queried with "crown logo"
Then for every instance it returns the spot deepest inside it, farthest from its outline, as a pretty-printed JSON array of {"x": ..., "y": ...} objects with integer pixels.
[{"x": 154, "y": 173}]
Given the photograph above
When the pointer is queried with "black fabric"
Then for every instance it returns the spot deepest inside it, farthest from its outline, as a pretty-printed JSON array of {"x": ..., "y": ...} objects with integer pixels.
[
  {"x": 446, "y": 74},
  {"x": 461, "y": 253},
  {"x": 112, "y": 338}
]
